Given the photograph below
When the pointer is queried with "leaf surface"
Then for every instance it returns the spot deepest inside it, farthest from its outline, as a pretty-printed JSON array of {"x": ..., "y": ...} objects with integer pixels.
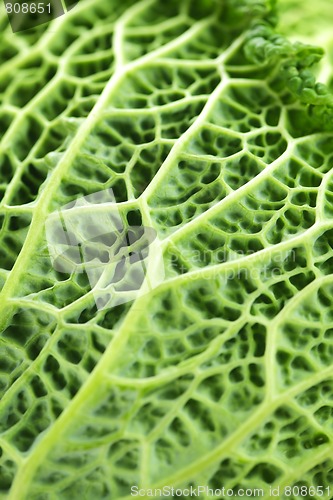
[{"x": 210, "y": 129}]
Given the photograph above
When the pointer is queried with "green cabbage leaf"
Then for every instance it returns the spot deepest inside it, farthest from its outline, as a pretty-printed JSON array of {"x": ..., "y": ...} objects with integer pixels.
[{"x": 206, "y": 123}]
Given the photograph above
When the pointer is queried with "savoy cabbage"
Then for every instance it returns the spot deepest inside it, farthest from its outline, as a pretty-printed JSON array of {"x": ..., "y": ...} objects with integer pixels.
[{"x": 206, "y": 123}]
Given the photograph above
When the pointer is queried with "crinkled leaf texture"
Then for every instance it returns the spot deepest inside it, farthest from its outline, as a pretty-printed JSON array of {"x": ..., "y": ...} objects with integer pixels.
[
  {"x": 210, "y": 129},
  {"x": 313, "y": 26}
]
